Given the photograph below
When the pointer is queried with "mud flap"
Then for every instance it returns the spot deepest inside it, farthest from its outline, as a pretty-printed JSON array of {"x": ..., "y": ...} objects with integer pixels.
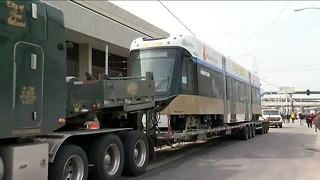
[{"x": 152, "y": 154}]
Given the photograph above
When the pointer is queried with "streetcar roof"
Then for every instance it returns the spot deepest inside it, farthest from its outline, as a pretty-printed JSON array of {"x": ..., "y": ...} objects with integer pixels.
[{"x": 201, "y": 53}]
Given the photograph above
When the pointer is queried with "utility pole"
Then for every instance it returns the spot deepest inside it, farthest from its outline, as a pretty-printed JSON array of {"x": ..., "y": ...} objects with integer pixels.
[{"x": 291, "y": 100}]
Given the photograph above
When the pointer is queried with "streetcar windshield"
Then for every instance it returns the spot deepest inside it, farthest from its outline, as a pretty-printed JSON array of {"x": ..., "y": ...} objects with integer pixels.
[
  {"x": 271, "y": 113},
  {"x": 158, "y": 61}
]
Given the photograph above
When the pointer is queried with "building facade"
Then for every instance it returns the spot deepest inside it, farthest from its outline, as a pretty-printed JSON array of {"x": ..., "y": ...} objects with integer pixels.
[{"x": 98, "y": 32}]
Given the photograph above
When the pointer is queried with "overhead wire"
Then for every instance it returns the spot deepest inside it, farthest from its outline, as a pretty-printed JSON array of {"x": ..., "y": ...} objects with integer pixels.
[
  {"x": 258, "y": 41},
  {"x": 176, "y": 18}
]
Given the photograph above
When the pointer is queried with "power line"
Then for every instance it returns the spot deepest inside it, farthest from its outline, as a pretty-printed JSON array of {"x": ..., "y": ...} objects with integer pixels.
[
  {"x": 269, "y": 27},
  {"x": 176, "y": 17}
]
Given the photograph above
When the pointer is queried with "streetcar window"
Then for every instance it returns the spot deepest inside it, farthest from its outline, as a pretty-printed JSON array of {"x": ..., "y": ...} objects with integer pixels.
[
  {"x": 159, "y": 61},
  {"x": 188, "y": 75},
  {"x": 210, "y": 82},
  {"x": 256, "y": 95}
]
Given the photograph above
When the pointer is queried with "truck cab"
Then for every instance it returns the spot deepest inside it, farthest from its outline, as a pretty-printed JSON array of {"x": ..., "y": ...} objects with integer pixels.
[{"x": 273, "y": 116}]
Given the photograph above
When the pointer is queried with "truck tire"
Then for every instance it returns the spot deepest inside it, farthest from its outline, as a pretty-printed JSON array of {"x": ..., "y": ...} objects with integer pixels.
[
  {"x": 107, "y": 156},
  {"x": 263, "y": 129},
  {"x": 70, "y": 163},
  {"x": 280, "y": 125},
  {"x": 1, "y": 169},
  {"x": 249, "y": 132},
  {"x": 253, "y": 131},
  {"x": 245, "y": 133},
  {"x": 136, "y": 153}
]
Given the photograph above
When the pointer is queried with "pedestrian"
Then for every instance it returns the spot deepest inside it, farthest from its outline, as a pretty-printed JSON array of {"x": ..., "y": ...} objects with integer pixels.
[
  {"x": 283, "y": 116},
  {"x": 288, "y": 117},
  {"x": 293, "y": 117},
  {"x": 309, "y": 120},
  {"x": 316, "y": 121},
  {"x": 299, "y": 118},
  {"x": 302, "y": 118}
]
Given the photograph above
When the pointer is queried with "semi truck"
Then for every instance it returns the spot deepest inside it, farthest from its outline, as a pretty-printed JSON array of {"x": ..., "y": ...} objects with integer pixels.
[{"x": 57, "y": 127}]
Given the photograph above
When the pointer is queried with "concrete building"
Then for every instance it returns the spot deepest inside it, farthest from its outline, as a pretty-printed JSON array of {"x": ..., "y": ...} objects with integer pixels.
[{"x": 96, "y": 27}]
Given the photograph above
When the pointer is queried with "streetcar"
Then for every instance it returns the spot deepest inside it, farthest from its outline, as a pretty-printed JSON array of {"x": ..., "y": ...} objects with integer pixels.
[{"x": 196, "y": 86}]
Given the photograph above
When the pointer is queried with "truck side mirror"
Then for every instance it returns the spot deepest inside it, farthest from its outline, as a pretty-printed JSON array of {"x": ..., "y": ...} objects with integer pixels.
[{"x": 69, "y": 45}]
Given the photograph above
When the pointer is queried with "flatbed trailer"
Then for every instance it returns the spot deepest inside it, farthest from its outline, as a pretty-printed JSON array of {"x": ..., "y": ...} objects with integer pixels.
[{"x": 244, "y": 131}]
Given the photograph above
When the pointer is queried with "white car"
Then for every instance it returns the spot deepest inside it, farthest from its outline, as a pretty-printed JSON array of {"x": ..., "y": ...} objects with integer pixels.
[{"x": 273, "y": 116}]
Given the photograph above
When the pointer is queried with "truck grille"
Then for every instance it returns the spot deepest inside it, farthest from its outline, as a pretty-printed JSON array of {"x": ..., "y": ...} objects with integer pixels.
[{"x": 273, "y": 119}]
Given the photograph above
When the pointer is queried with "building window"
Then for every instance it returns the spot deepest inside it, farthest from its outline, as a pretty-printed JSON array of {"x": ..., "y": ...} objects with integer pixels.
[
  {"x": 117, "y": 65},
  {"x": 98, "y": 62},
  {"x": 73, "y": 60}
]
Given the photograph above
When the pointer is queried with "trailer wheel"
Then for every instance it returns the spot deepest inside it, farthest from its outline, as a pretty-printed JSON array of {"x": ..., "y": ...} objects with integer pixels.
[
  {"x": 107, "y": 155},
  {"x": 253, "y": 131},
  {"x": 245, "y": 133},
  {"x": 264, "y": 128},
  {"x": 136, "y": 153},
  {"x": 249, "y": 132},
  {"x": 70, "y": 163}
]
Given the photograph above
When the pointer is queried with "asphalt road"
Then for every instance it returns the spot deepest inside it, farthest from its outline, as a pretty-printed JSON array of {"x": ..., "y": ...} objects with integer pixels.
[{"x": 290, "y": 153}]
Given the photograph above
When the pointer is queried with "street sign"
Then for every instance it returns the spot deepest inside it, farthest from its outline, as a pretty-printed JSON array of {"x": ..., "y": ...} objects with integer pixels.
[{"x": 286, "y": 90}]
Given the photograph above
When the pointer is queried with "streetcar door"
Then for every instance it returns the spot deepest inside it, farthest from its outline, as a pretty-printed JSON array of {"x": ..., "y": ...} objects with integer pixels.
[
  {"x": 188, "y": 72},
  {"x": 225, "y": 89},
  {"x": 250, "y": 97}
]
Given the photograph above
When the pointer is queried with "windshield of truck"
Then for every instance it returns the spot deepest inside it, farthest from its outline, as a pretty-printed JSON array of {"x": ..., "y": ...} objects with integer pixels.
[
  {"x": 271, "y": 113},
  {"x": 158, "y": 61}
]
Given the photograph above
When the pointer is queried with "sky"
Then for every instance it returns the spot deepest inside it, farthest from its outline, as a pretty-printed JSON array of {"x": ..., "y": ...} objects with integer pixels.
[{"x": 267, "y": 37}]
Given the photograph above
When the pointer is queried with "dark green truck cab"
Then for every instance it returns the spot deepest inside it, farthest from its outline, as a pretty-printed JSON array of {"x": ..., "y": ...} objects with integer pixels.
[{"x": 32, "y": 66}]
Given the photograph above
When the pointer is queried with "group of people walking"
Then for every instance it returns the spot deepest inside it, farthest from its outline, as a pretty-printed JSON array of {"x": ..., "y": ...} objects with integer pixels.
[{"x": 311, "y": 119}]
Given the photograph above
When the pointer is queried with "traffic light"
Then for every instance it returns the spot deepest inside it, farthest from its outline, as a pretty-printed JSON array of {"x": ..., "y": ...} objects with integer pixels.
[{"x": 308, "y": 92}]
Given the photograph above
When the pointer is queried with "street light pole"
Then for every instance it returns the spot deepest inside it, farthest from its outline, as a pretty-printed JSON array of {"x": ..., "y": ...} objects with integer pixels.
[
  {"x": 255, "y": 64},
  {"x": 301, "y": 9}
]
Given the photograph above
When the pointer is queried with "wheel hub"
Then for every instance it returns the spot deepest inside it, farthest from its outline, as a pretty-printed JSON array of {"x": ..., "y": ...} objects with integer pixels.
[
  {"x": 107, "y": 160},
  {"x": 73, "y": 168},
  {"x": 136, "y": 154},
  {"x": 140, "y": 153},
  {"x": 112, "y": 159}
]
